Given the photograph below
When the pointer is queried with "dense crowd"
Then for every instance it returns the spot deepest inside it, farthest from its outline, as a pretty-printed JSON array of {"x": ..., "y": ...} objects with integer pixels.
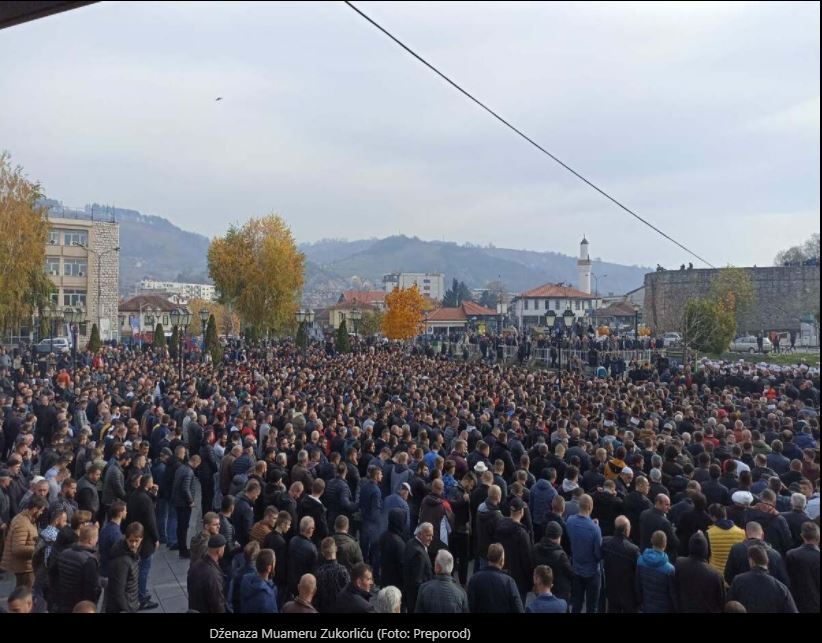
[{"x": 391, "y": 479}]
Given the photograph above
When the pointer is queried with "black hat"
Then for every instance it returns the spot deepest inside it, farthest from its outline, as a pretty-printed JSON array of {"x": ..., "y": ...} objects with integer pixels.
[
  {"x": 216, "y": 541},
  {"x": 553, "y": 530}
]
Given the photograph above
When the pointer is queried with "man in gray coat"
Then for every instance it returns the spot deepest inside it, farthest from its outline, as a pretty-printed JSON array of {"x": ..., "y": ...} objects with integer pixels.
[
  {"x": 442, "y": 594},
  {"x": 183, "y": 496}
]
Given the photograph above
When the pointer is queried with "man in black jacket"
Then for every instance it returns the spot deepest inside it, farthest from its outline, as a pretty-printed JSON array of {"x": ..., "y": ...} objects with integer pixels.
[
  {"x": 311, "y": 505},
  {"x": 635, "y": 503},
  {"x": 122, "y": 593},
  {"x": 243, "y": 516},
  {"x": 302, "y": 555},
  {"x": 492, "y": 590},
  {"x": 416, "y": 564},
  {"x": 700, "y": 588},
  {"x": 392, "y": 548},
  {"x": 803, "y": 570},
  {"x": 205, "y": 580},
  {"x": 796, "y": 517},
  {"x": 607, "y": 506},
  {"x": 140, "y": 509},
  {"x": 76, "y": 575},
  {"x": 207, "y": 469},
  {"x": 737, "y": 562},
  {"x": 653, "y": 520},
  {"x": 549, "y": 551},
  {"x": 355, "y": 598},
  {"x": 619, "y": 557},
  {"x": 758, "y": 591},
  {"x": 338, "y": 497},
  {"x": 512, "y": 535}
]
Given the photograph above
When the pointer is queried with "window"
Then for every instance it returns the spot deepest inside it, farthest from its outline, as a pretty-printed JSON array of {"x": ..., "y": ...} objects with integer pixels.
[
  {"x": 547, "y": 304},
  {"x": 576, "y": 305},
  {"x": 525, "y": 304},
  {"x": 82, "y": 329},
  {"x": 54, "y": 297},
  {"x": 75, "y": 267},
  {"x": 75, "y": 237},
  {"x": 165, "y": 321},
  {"x": 53, "y": 266},
  {"x": 74, "y": 297},
  {"x": 54, "y": 237},
  {"x": 556, "y": 305}
]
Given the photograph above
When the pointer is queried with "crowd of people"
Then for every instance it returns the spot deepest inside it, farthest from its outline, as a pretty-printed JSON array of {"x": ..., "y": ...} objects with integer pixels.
[{"x": 388, "y": 480}]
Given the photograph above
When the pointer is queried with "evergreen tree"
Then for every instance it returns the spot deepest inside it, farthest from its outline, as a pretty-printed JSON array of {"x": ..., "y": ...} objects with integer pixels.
[
  {"x": 302, "y": 337},
  {"x": 159, "y": 337},
  {"x": 94, "y": 342},
  {"x": 343, "y": 344},
  {"x": 174, "y": 342},
  {"x": 212, "y": 342}
]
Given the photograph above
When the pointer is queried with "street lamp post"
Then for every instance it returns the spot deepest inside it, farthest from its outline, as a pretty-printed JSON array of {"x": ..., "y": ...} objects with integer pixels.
[
  {"x": 356, "y": 316},
  {"x": 204, "y": 315},
  {"x": 99, "y": 256},
  {"x": 301, "y": 317},
  {"x": 73, "y": 316},
  {"x": 568, "y": 320},
  {"x": 596, "y": 284},
  {"x": 309, "y": 320},
  {"x": 181, "y": 318},
  {"x": 636, "y": 324},
  {"x": 500, "y": 311}
]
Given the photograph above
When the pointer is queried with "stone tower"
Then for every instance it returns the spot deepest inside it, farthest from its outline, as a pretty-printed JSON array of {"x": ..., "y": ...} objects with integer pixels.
[{"x": 584, "y": 267}]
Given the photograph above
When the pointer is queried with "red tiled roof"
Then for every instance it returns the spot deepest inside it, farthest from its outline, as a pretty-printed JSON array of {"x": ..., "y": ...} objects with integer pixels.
[
  {"x": 146, "y": 301},
  {"x": 349, "y": 305},
  {"x": 473, "y": 309},
  {"x": 558, "y": 292},
  {"x": 447, "y": 314},
  {"x": 363, "y": 296},
  {"x": 618, "y": 309}
]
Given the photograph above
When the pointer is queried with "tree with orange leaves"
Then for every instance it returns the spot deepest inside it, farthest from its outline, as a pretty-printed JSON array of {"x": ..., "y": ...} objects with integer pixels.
[
  {"x": 258, "y": 272},
  {"x": 403, "y": 317}
]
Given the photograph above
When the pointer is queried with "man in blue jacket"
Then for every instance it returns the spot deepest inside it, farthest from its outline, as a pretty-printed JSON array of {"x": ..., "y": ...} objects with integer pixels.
[
  {"x": 258, "y": 594},
  {"x": 545, "y": 602},
  {"x": 586, "y": 554},
  {"x": 655, "y": 584}
]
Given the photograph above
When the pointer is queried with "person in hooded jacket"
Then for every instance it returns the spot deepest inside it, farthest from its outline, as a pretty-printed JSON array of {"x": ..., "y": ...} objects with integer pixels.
[
  {"x": 700, "y": 588},
  {"x": 777, "y": 532},
  {"x": 392, "y": 546},
  {"x": 122, "y": 593},
  {"x": 512, "y": 535},
  {"x": 542, "y": 493},
  {"x": 548, "y": 551},
  {"x": 258, "y": 594},
  {"x": 488, "y": 516},
  {"x": 691, "y": 522},
  {"x": 655, "y": 584}
]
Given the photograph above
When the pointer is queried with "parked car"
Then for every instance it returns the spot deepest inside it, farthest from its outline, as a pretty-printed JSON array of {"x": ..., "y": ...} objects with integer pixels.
[
  {"x": 671, "y": 339},
  {"x": 54, "y": 345},
  {"x": 748, "y": 344}
]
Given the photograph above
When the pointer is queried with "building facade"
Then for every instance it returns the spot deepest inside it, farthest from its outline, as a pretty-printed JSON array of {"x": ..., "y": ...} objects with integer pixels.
[
  {"x": 529, "y": 308},
  {"x": 83, "y": 262},
  {"x": 430, "y": 284},
  {"x": 206, "y": 292},
  {"x": 140, "y": 315}
]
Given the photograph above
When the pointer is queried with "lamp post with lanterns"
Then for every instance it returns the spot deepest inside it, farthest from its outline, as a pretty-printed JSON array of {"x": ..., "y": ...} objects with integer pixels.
[
  {"x": 74, "y": 316},
  {"x": 356, "y": 316},
  {"x": 301, "y": 332},
  {"x": 204, "y": 315},
  {"x": 181, "y": 318}
]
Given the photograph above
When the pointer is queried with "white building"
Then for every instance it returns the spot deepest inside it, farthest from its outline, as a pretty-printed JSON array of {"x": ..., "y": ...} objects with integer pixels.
[
  {"x": 529, "y": 308},
  {"x": 206, "y": 292},
  {"x": 430, "y": 284}
]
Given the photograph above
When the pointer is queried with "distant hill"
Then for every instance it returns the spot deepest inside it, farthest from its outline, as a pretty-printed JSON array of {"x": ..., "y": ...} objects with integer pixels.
[
  {"x": 518, "y": 269},
  {"x": 154, "y": 248}
]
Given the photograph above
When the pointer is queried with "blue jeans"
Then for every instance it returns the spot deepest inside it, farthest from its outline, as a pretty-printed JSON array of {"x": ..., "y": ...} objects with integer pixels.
[
  {"x": 142, "y": 581},
  {"x": 171, "y": 527},
  {"x": 161, "y": 513},
  {"x": 585, "y": 590}
]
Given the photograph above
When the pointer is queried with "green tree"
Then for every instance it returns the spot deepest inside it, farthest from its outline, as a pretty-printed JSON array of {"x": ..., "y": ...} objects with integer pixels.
[
  {"x": 733, "y": 289},
  {"x": 252, "y": 334},
  {"x": 457, "y": 294},
  {"x": 801, "y": 253},
  {"x": 371, "y": 322},
  {"x": 212, "y": 342},
  {"x": 174, "y": 342},
  {"x": 707, "y": 326},
  {"x": 94, "y": 342},
  {"x": 302, "y": 337},
  {"x": 159, "y": 337},
  {"x": 343, "y": 344}
]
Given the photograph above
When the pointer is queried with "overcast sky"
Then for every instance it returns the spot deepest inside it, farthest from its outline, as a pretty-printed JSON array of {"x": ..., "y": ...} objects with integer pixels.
[{"x": 703, "y": 118}]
